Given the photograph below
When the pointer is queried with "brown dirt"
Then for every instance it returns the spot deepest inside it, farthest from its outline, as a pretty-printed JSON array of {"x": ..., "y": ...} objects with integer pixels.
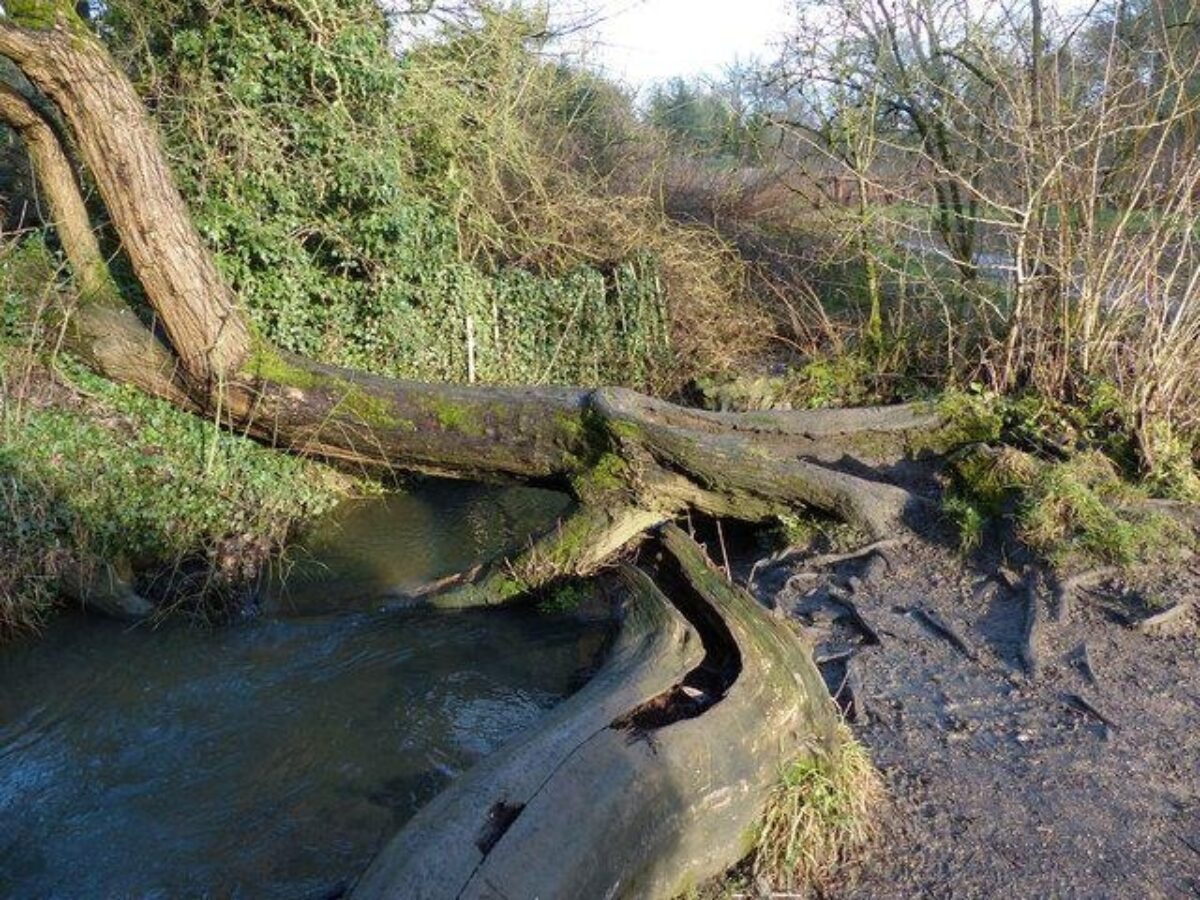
[{"x": 1002, "y": 784}]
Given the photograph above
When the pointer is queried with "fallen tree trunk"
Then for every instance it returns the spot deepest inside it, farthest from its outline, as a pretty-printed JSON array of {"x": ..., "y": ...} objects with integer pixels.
[
  {"x": 650, "y": 780},
  {"x": 671, "y": 751},
  {"x": 631, "y": 461}
]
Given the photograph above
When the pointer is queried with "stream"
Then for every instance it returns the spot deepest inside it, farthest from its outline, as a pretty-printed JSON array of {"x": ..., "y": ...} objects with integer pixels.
[{"x": 272, "y": 758}]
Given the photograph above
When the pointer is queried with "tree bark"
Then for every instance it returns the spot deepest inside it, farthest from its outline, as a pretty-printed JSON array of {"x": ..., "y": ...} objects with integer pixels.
[
  {"x": 68, "y": 64},
  {"x": 56, "y": 176}
]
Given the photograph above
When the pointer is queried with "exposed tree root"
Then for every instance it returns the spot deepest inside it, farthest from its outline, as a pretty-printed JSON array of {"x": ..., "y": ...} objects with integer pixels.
[
  {"x": 945, "y": 630},
  {"x": 1031, "y": 641},
  {"x": 658, "y": 769},
  {"x": 1168, "y": 616},
  {"x": 1083, "y": 657},
  {"x": 1065, "y": 589},
  {"x": 576, "y": 546},
  {"x": 819, "y": 562},
  {"x": 869, "y": 631},
  {"x": 1082, "y": 704}
]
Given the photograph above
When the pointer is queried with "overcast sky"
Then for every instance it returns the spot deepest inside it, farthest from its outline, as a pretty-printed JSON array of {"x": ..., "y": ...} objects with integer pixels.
[{"x": 641, "y": 41}]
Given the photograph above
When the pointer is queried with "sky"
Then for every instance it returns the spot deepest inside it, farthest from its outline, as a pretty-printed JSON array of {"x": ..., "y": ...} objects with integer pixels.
[{"x": 643, "y": 41}]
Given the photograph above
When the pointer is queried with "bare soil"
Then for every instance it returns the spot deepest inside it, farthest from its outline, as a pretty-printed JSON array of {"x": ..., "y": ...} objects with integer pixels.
[{"x": 1082, "y": 780}]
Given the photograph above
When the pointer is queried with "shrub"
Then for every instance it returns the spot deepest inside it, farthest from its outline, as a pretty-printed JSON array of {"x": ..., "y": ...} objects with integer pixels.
[{"x": 402, "y": 215}]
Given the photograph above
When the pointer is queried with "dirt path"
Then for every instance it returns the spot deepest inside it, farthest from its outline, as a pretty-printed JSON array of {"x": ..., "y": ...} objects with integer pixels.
[{"x": 1002, "y": 784}]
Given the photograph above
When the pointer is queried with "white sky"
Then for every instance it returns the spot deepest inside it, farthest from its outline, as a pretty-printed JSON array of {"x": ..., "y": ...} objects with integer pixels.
[{"x": 641, "y": 41}]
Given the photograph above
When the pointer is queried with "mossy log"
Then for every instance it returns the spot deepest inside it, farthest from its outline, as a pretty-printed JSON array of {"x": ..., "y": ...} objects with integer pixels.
[
  {"x": 632, "y": 461},
  {"x": 649, "y": 780}
]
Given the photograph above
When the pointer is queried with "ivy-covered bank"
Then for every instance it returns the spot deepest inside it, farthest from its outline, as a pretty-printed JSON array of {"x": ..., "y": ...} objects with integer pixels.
[
  {"x": 96, "y": 477},
  {"x": 449, "y": 213}
]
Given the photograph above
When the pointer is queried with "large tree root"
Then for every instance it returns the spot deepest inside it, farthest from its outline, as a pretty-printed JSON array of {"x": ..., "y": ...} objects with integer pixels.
[
  {"x": 650, "y": 779},
  {"x": 575, "y": 546}
]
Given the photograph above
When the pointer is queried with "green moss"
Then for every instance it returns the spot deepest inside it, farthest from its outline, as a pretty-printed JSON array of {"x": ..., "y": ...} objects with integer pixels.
[
  {"x": 1077, "y": 507},
  {"x": 762, "y": 420},
  {"x": 843, "y": 380},
  {"x": 453, "y": 416},
  {"x": 1082, "y": 506},
  {"x": 571, "y": 426},
  {"x": 267, "y": 363},
  {"x": 506, "y": 587},
  {"x": 967, "y": 418},
  {"x": 968, "y": 519},
  {"x": 574, "y": 536},
  {"x": 625, "y": 431},
  {"x": 563, "y": 598},
  {"x": 371, "y": 410},
  {"x": 606, "y": 475},
  {"x": 993, "y": 477}
]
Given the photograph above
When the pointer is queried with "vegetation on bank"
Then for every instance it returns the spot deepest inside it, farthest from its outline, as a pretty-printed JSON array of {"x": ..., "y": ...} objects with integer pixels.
[
  {"x": 822, "y": 811},
  {"x": 91, "y": 472},
  {"x": 1064, "y": 480}
]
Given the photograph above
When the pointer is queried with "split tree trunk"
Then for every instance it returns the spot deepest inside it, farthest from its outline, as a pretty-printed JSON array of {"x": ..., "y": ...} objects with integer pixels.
[{"x": 630, "y": 460}]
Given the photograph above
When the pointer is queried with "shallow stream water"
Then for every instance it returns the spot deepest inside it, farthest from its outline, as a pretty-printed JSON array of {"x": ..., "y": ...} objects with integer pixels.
[{"x": 273, "y": 757}]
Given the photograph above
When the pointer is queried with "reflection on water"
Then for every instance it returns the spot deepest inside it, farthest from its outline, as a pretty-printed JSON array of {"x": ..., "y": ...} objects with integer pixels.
[
  {"x": 404, "y": 540},
  {"x": 267, "y": 759}
]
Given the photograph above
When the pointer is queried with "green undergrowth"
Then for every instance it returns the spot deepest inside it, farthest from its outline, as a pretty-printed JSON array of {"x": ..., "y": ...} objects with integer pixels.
[
  {"x": 822, "y": 382},
  {"x": 815, "y": 532},
  {"x": 1067, "y": 481},
  {"x": 121, "y": 476},
  {"x": 564, "y": 597},
  {"x": 446, "y": 212},
  {"x": 91, "y": 471}
]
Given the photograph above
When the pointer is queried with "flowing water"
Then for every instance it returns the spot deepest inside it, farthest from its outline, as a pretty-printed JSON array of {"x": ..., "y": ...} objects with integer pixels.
[{"x": 273, "y": 757}]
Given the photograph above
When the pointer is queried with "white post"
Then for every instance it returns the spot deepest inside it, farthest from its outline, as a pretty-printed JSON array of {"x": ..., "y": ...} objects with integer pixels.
[{"x": 470, "y": 350}]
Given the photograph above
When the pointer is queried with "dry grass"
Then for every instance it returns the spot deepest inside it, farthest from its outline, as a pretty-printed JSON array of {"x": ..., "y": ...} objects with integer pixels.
[
  {"x": 548, "y": 170},
  {"x": 819, "y": 815}
]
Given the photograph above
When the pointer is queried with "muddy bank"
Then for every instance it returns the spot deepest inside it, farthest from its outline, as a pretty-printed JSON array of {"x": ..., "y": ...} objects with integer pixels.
[{"x": 1081, "y": 782}]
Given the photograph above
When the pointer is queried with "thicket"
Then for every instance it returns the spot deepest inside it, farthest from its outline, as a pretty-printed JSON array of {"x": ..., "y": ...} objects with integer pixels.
[
  {"x": 999, "y": 203},
  {"x": 470, "y": 207}
]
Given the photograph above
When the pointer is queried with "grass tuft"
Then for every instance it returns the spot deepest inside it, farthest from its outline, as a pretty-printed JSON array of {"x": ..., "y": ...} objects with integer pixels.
[{"x": 819, "y": 814}]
